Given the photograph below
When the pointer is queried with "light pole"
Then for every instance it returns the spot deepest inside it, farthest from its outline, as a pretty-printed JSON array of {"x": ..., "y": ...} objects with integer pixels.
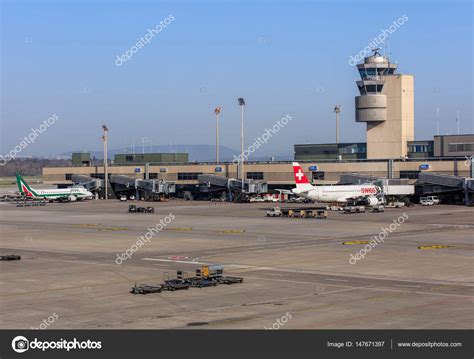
[
  {"x": 457, "y": 120},
  {"x": 105, "y": 138},
  {"x": 144, "y": 139},
  {"x": 337, "y": 109},
  {"x": 217, "y": 111},
  {"x": 437, "y": 121},
  {"x": 242, "y": 104}
]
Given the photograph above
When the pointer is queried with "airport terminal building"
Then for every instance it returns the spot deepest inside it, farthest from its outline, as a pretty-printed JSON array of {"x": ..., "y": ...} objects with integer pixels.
[{"x": 386, "y": 107}]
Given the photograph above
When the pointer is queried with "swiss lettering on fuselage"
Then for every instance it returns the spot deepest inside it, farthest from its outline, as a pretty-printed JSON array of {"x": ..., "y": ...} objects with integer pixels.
[{"x": 368, "y": 190}]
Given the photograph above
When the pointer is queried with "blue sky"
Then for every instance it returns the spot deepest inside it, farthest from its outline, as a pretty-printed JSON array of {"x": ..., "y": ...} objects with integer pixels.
[{"x": 58, "y": 57}]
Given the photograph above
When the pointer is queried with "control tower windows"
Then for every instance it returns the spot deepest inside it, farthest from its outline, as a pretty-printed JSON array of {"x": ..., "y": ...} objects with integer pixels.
[
  {"x": 371, "y": 88},
  {"x": 365, "y": 72},
  {"x": 364, "y": 90},
  {"x": 375, "y": 71}
]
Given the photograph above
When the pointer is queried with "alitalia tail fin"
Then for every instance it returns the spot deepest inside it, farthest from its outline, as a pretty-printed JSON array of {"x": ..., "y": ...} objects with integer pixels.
[{"x": 24, "y": 188}]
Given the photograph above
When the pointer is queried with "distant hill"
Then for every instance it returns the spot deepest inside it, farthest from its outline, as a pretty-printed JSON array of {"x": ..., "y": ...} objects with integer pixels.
[{"x": 30, "y": 166}]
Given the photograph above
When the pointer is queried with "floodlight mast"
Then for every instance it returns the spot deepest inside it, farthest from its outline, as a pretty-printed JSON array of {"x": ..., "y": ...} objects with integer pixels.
[
  {"x": 105, "y": 138},
  {"x": 217, "y": 111},
  {"x": 242, "y": 105},
  {"x": 337, "y": 109}
]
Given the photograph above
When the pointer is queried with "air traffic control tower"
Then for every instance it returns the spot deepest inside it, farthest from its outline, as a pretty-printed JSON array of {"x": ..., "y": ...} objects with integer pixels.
[{"x": 386, "y": 104}]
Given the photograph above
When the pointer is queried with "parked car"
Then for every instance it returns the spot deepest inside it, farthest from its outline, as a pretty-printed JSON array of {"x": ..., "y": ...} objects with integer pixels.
[
  {"x": 424, "y": 201},
  {"x": 435, "y": 199},
  {"x": 123, "y": 198}
]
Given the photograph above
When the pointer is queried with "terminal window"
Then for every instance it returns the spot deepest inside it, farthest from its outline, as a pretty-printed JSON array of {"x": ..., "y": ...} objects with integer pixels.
[
  {"x": 188, "y": 176},
  {"x": 409, "y": 174},
  {"x": 68, "y": 176},
  {"x": 153, "y": 176},
  {"x": 420, "y": 148},
  {"x": 461, "y": 147},
  {"x": 255, "y": 175},
  {"x": 318, "y": 175}
]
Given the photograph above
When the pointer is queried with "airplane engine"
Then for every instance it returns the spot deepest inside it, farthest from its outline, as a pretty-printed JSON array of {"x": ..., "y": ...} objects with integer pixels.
[
  {"x": 372, "y": 201},
  {"x": 72, "y": 198}
]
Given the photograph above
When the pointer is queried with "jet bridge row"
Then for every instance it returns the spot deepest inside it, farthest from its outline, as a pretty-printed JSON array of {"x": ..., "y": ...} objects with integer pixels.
[
  {"x": 147, "y": 189},
  {"x": 219, "y": 184}
]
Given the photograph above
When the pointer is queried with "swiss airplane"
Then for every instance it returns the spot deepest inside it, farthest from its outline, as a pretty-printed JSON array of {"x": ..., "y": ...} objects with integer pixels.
[
  {"x": 71, "y": 194},
  {"x": 332, "y": 194}
]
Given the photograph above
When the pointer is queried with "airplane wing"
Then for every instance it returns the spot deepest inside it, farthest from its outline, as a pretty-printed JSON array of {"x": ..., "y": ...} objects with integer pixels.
[{"x": 306, "y": 190}]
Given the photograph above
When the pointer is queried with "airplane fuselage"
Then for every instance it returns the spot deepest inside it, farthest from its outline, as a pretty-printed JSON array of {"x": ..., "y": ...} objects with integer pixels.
[
  {"x": 54, "y": 194},
  {"x": 336, "y": 193}
]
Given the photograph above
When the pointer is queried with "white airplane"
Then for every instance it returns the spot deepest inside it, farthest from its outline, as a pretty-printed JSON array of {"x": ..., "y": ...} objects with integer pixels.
[
  {"x": 333, "y": 194},
  {"x": 68, "y": 194}
]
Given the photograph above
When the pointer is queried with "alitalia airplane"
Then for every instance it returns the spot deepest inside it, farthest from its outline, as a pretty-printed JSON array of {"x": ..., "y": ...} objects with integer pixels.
[
  {"x": 332, "y": 194},
  {"x": 68, "y": 194}
]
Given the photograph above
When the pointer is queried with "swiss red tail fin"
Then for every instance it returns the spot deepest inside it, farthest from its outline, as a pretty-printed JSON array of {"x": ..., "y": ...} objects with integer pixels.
[{"x": 300, "y": 177}]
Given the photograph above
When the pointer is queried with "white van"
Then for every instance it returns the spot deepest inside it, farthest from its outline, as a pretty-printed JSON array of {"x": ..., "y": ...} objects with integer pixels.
[
  {"x": 424, "y": 201},
  {"x": 435, "y": 199}
]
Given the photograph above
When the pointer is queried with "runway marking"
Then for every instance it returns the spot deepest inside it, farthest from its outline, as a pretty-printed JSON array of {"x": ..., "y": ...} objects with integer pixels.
[
  {"x": 356, "y": 242},
  {"x": 407, "y": 286},
  {"x": 103, "y": 229},
  {"x": 179, "y": 229},
  {"x": 457, "y": 226},
  {"x": 172, "y": 261},
  {"x": 337, "y": 280},
  {"x": 178, "y": 258},
  {"x": 446, "y": 286},
  {"x": 86, "y": 225},
  {"x": 437, "y": 246},
  {"x": 97, "y": 227},
  {"x": 347, "y": 289}
]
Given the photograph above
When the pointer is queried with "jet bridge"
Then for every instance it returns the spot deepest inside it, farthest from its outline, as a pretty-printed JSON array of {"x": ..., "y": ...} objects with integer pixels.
[
  {"x": 89, "y": 183},
  {"x": 356, "y": 178},
  {"x": 450, "y": 188},
  {"x": 391, "y": 187},
  {"x": 145, "y": 189},
  {"x": 210, "y": 184}
]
